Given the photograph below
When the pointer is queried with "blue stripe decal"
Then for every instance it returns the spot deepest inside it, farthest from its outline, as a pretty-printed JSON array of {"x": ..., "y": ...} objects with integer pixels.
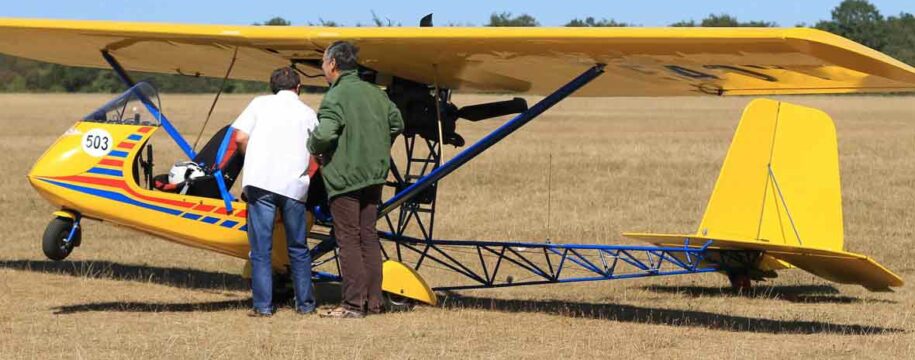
[
  {"x": 191, "y": 216},
  {"x": 102, "y": 171},
  {"x": 113, "y": 196},
  {"x": 243, "y": 228},
  {"x": 210, "y": 220},
  {"x": 118, "y": 153},
  {"x": 134, "y": 137},
  {"x": 229, "y": 223}
]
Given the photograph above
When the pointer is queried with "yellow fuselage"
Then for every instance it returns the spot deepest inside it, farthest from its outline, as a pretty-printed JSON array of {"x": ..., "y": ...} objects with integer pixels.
[{"x": 90, "y": 170}]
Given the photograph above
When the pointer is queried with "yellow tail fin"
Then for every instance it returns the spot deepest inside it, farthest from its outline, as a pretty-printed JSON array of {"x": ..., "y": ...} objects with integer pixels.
[
  {"x": 780, "y": 180},
  {"x": 779, "y": 193}
]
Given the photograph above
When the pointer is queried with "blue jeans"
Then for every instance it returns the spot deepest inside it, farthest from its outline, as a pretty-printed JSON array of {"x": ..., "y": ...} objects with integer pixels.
[{"x": 262, "y": 208}]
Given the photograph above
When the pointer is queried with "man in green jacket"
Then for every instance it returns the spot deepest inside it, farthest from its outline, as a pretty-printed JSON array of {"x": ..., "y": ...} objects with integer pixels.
[{"x": 356, "y": 125}]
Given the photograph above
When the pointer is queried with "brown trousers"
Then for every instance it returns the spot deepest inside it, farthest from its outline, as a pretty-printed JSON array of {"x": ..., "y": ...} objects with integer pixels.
[{"x": 355, "y": 214}]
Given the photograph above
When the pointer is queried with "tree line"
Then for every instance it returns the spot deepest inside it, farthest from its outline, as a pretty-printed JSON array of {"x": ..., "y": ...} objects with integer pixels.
[{"x": 858, "y": 20}]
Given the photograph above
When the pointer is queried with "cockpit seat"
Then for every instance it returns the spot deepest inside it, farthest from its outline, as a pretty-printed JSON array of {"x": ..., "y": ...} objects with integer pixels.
[{"x": 206, "y": 185}]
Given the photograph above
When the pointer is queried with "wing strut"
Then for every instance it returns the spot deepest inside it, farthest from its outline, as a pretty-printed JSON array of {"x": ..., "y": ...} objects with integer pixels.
[
  {"x": 489, "y": 140},
  {"x": 172, "y": 131}
]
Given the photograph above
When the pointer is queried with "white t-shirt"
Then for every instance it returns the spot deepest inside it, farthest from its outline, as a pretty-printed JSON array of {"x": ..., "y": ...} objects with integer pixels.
[{"x": 276, "y": 157}]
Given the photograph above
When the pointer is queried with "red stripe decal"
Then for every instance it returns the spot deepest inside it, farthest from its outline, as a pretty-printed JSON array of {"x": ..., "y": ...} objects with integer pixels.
[
  {"x": 120, "y": 184},
  {"x": 236, "y": 213},
  {"x": 111, "y": 162},
  {"x": 144, "y": 130},
  {"x": 205, "y": 208},
  {"x": 125, "y": 145}
]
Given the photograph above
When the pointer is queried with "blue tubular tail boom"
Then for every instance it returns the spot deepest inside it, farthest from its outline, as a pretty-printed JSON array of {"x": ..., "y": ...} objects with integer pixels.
[
  {"x": 490, "y": 140},
  {"x": 543, "y": 263},
  {"x": 172, "y": 131}
]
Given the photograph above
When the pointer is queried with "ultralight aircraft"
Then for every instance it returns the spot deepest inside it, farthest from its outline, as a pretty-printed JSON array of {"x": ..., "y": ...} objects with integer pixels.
[{"x": 776, "y": 205}]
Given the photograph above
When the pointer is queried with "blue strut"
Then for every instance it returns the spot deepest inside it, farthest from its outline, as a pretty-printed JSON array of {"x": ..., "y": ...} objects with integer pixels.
[
  {"x": 485, "y": 143},
  {"x": 170, "y": 129}
]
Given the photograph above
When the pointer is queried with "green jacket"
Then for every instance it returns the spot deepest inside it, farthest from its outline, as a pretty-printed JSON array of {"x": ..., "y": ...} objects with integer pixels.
[{"x": 356, "y": 124}]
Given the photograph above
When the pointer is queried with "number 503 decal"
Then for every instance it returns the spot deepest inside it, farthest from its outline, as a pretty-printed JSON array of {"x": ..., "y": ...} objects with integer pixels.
[{"x": 97, "y": 142}]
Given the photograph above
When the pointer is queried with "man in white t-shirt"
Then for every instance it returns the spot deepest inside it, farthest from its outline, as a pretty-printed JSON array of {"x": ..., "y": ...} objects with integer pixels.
[{"x": 272, "y": 133}]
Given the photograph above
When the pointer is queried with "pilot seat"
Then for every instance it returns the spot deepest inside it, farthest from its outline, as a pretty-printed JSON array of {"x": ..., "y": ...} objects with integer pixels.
[{"x": 205, "y": 185}]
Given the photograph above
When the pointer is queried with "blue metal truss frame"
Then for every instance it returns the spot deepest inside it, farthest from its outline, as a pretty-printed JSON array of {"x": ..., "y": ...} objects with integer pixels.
[
  {"x": 546, "y": 263},
  {"x": 415, "y": 210},
  {"x": 483, "y": 264}
]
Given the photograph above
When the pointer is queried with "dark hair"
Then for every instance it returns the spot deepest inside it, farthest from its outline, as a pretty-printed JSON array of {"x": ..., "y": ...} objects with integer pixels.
[
  {"x": 344, "y": 54},
  {"x": 284, "y": 78}
]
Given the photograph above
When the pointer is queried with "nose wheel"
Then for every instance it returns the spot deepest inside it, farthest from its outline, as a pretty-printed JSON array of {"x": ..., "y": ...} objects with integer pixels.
[{"x": 60, "y": 237}]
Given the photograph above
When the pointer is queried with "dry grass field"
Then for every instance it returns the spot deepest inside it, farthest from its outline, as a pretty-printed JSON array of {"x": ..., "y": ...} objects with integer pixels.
[{"x": 617, "y": 165}]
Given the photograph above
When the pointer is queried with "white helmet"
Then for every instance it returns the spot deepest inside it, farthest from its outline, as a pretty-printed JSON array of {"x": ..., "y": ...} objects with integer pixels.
[{"x": 183, "y": 171}]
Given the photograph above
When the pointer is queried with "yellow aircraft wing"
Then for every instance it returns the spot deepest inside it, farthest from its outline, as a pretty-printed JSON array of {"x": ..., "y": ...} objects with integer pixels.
[{"x": 640, "y": 61}]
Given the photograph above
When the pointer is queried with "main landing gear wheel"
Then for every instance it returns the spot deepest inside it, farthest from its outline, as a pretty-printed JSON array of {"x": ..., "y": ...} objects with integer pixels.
[
  {"x": 740, "y": 281},
  {"x": 54, "y": 242},
  {"x": 397, "y": 303}
]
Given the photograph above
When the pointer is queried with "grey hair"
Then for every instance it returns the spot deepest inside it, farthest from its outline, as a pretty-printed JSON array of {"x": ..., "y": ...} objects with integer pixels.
[{"x": 344, "y": 54}]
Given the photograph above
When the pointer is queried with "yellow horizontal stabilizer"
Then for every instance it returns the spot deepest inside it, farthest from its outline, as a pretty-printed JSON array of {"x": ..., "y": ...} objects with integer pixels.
[
  {"x": 779, "y": 193},
  {"x": 837, "y": 266},
  {"x": 639, "y": 61}
]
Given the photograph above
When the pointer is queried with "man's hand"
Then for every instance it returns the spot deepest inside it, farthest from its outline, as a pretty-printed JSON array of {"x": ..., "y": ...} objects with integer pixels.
[{"x": 241, "y": 140}]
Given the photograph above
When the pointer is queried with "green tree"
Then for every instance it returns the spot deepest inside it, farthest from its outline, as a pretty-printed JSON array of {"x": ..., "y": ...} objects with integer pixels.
[
  {"x": 685, "y": 23},
  {"x": 722, "y": 20},
  {"x": 506, "y": 19},
  {"x": 275, "y": 21},
  {"x": 858, "y": 20},
  {"x": 592, "y": 22},
  {"x": 901, "y": 37}
]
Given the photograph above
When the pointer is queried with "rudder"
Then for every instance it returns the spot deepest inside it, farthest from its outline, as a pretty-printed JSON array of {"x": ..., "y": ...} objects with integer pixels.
[{"x": 779, "y": 183}]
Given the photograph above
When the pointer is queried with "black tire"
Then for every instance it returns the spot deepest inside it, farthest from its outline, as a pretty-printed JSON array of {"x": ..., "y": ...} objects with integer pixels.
[
  {"x": 54, "y": 244},
  {"x": 740, "y": 281},
  {"x": 397, "y": 303}
]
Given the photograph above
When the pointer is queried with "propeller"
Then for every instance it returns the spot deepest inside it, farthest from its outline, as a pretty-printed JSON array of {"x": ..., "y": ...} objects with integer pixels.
[
  {"x": 494, "y": 109},
  {"x": 417, "y": 106}
]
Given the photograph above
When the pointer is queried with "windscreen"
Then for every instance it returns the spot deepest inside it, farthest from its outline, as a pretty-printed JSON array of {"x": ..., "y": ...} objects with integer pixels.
[{"x": 138, "y": 105}]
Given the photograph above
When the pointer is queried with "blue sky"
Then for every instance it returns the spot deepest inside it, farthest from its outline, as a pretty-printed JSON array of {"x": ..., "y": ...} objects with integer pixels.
[{"x": 469, "y": 12}]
